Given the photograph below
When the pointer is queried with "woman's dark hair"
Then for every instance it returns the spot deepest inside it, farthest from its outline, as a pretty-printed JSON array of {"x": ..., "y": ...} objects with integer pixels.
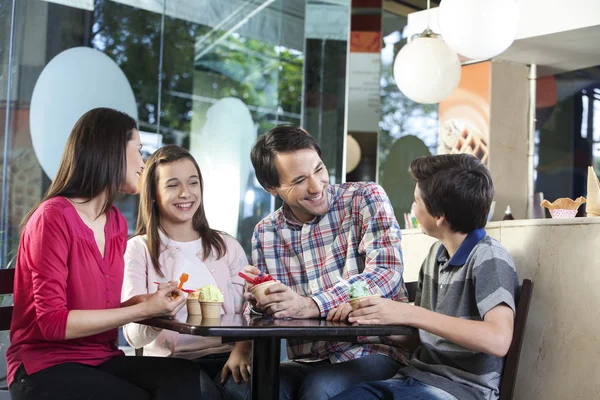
[
  {"x": 281, "y": 139},
  {"x": 148, "y": 221},
  {"x": 456, "y": 186},
  {"x": 94, "y": 160}
]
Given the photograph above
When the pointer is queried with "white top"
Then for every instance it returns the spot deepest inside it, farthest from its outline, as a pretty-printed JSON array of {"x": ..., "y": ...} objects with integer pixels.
[
  {"x": 176, "y": 258},
  {"x": 191, "y": 263}
]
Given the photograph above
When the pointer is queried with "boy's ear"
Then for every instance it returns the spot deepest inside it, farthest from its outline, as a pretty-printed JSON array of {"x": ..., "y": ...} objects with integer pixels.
[{"x": 440, "y": 220}]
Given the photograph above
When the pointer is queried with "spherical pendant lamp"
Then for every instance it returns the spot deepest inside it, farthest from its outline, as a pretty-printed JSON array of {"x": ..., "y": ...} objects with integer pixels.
[
  {"x": 426, "y": 70},
  {"x": 479, "y": 29}
]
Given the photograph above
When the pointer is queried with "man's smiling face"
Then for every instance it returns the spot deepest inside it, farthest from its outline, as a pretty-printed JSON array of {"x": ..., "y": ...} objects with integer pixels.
[{"x": 303, "y": 183}]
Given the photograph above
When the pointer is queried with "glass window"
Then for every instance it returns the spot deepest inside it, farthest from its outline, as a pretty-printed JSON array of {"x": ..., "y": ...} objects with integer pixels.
[
  {"x": 407, "y": 129},
  {"x": 567, "y": 133}
]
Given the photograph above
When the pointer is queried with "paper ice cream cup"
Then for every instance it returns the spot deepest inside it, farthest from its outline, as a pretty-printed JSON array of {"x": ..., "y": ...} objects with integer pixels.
[
  {"x": 211, "y": 309},
  {"x": 193, "y": 307},
  {"x": 258, "y": 291},
  {"x": 562, "y": 213},
  {"x": 354, "y": 303}
]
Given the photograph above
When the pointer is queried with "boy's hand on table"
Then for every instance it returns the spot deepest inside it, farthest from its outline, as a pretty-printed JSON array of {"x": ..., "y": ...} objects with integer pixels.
[
  {"x": 340, "y": 313},
  {"x": 381, "y": 311}
]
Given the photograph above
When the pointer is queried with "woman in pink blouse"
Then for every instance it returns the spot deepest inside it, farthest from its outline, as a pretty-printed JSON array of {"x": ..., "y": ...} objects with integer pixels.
[
  {"x": 173, "y": 237},
  {"x": 68, "y": 280}
]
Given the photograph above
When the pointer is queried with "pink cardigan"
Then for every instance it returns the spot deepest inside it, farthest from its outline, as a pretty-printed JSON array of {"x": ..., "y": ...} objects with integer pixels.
[{"x": 140, "y": 277}]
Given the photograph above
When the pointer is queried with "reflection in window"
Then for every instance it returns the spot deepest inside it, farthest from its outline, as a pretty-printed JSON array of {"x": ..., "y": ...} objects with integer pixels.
[
  {"x": 407, "y": 129},
  {"x": 187, "y": 62}
]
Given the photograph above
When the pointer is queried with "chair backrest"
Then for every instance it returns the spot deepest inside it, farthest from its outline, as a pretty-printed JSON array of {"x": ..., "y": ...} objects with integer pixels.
[
  {"x": 511, "y": 361},
  {"x": 411, "y": 288},
  {"x": 7, "y": 281}
]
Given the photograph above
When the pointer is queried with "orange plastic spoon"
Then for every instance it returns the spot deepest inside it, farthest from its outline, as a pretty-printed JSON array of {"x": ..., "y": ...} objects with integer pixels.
[{"x": 182, "y": 279}]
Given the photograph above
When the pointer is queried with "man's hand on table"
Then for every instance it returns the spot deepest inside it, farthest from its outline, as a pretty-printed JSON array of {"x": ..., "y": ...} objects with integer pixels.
[{"x": 282, "y": 302}]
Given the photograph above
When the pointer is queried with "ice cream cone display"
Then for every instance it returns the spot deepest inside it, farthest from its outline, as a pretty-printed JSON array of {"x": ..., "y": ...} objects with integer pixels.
[
  {"x": 359, "y": 291},
  {"x": 211, "y": 301},
  {"x": 471, "y": 142},
  {"x": 464, "y": 116},
  {"x": 593, "y": 194},
  {"x": 563, "y": 207}
]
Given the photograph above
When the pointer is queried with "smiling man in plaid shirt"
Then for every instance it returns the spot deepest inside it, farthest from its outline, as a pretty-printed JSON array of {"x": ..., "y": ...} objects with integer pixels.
[{"x": 323, "y": 233}]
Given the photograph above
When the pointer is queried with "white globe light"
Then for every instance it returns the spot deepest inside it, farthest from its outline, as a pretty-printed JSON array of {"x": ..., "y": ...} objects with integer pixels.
[
  {"x": 479, "y": 29},
  {"x": 426, "y": 70},
  {"x": 73, "y": 82}
]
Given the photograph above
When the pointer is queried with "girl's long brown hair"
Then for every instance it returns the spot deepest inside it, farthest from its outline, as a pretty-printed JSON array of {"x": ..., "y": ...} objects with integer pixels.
[
  {"x": 94, "y": 160},
  {"x": 148, "y": 221}
]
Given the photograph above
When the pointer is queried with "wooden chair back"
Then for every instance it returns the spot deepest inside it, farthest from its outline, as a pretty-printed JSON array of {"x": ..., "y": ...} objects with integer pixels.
[
  {"x": 511, "y": 361},
  {"x": 411, "y": 288},
  {"x": 7, "y": 281}
]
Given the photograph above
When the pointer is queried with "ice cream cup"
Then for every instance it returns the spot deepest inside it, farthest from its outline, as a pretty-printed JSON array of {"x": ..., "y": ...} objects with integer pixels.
[
  {"x": 211, "y": 309},
  {"x": 354, "y": 303},
  {"x": 562, "y": 213},
  {"x": 258, "y": 291},
  {"x": 194, "y": 319},
  {"x": 193, "y": 307}
]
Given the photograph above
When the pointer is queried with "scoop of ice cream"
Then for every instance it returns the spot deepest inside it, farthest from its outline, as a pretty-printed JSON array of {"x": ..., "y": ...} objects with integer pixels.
[
  {"x": 358, "y": 289},
  {"x": 210, "y": 293},
  {"x": 262, "y": 278},
  {"x": 194, "y": 295}
]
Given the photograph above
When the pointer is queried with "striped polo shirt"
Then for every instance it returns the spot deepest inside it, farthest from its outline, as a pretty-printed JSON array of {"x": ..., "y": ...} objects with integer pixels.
[{"x": 480, "y": 276}]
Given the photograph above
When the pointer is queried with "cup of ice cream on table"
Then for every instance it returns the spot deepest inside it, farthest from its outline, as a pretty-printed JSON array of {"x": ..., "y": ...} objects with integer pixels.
[
  {"x": 261, "y": 283},
  {"x": 358, "y": 292},
  {"x": 211, "y": 301},
  {"x": 193, "y": 303}
]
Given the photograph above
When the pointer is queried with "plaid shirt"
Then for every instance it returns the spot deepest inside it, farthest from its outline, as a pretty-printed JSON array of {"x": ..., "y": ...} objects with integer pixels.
[{"x": 358, "y": 239}]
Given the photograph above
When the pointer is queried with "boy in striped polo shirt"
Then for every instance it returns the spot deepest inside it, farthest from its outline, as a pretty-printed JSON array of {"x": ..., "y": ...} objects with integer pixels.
[{"x": 465, "y": 304}]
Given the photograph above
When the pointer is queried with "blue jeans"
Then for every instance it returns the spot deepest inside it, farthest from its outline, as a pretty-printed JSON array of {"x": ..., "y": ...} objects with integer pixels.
[
  {"x": 322, "y": 380},
  {"x": 395, "y": 389}
]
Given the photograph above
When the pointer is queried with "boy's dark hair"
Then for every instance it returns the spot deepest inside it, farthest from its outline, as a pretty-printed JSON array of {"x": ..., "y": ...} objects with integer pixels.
[
  {"x": 456, "y": 186},
  {"x": 281, "y": 139}
]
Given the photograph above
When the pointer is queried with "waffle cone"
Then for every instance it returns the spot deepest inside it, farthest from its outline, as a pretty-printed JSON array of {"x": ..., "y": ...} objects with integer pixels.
[
  {"x": 593, "y": 194},
  {"x": 564, "y": 203}
]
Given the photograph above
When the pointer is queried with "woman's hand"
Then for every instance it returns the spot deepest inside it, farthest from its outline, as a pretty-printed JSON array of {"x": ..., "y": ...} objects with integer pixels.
[
  {"x": 238, "y": 363},
  {"x": 166, "y": 302}
]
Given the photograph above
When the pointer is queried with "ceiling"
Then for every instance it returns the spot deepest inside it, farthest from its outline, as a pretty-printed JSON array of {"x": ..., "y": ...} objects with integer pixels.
[
  {"x": 554, "y": 53},
  {"x": 557, "y": 52}
]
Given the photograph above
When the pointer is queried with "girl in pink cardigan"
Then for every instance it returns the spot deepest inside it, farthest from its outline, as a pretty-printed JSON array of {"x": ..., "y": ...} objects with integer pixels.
[{"x": 173, "y": 237}]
